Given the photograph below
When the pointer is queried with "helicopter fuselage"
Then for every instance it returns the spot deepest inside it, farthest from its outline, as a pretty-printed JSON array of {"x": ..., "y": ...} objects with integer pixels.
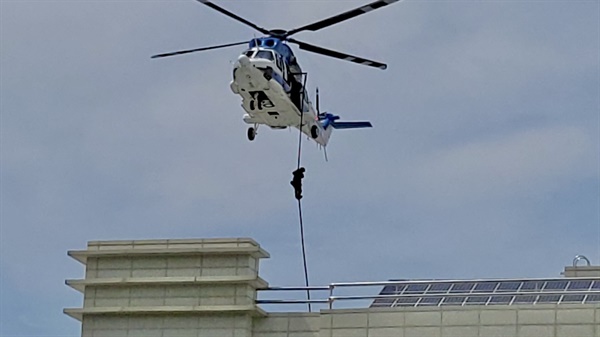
[{"x": 270, "y": 84}]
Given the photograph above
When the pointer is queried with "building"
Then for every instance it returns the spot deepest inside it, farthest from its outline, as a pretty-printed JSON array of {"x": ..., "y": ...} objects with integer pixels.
[{"x": 209, "y": 288}]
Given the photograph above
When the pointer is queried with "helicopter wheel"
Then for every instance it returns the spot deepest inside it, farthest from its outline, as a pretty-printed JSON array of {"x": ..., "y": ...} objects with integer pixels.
[
  {"x": 252, "y": 105},
  {"x": 314, "y": 132},
  {"x": 258, "y": 105},
  {"x": 251, "y": 133}
]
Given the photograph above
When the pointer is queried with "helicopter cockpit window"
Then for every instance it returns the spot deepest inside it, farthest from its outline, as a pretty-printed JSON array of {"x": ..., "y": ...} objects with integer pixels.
[
  {"x": 264, "y": 54},
  {"x": 249, "y": 53}
]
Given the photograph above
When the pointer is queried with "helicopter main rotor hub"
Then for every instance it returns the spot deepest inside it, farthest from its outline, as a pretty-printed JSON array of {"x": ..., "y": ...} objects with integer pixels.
[{"x": 278, "y": 33}]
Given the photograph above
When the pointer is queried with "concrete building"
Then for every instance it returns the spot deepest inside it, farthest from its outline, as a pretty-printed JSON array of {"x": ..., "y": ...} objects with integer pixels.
[{"x": 209, "y": 288}]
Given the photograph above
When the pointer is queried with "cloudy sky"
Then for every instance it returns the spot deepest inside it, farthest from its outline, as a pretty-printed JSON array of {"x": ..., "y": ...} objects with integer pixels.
[{"x": 483, "y": 160}]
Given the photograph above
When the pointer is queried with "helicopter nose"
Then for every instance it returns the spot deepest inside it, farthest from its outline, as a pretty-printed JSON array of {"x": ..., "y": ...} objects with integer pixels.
[{"x": 244, "y": 60}]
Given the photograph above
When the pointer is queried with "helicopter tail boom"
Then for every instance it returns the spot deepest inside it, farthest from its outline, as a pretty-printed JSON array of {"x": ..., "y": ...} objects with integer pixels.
[
  {"x": 328, "y": 119},
  {"x": 351, "y": 125}
]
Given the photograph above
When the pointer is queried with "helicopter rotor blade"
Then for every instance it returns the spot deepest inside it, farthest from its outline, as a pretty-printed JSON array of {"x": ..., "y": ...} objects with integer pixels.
[
  {"x": 318, "y": 110},
  {"x": 198, "y": 49},
  {"x": 342, "y": 17},
  {"x": 336, "y": 54},
  {"x": 233, "y": 16}
]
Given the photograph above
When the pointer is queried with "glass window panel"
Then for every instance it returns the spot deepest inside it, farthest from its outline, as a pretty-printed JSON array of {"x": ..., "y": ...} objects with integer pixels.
[
  {"x": 461, "y": 287},
  {"x": 264, "y": 54},
  {"x": 454, "y": 300},
  {"x": 572, "y": 299},
  {"x": 596, "y": 285},
  {"x": 556, "y": 285},
  {"x": 548, "y": 299},
  {"x": 416, "y": 288},
  {"x": 406, "y": 301},
  {"x": 477, "y": 299},
  {"x": 434, "y": 300},
  {"x": 508, "y": 286},
  {"x": 524, "y": 299},
  {"x": 439, "y": 287},
  {"x": 485, "y": 287},
  {"x": 505, "y": 299},
  {"x": 592, "y": 298},
  {"x": 532, "y": 286},
  {"x": 579, "y": 285}
]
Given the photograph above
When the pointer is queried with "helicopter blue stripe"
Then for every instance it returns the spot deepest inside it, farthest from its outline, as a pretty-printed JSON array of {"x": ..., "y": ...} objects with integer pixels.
[{"x": 281, "y": 81}]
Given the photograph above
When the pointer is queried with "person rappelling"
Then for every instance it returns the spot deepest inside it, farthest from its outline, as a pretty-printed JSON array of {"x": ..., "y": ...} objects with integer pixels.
[{"x": 297, "y": 182}]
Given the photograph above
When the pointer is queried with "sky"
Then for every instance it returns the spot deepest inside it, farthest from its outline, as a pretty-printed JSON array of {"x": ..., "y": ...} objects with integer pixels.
[{"x": 483, "y": 160}]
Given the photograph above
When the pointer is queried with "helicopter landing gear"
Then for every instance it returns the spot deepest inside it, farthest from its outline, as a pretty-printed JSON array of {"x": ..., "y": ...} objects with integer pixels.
[
  {"x": 252, "y": 132},
  {"x": 314, "y": 132}
]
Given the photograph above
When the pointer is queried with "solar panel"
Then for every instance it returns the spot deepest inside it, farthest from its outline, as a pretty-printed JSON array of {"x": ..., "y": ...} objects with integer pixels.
[
  {"x": 491, "y": 292},
  {"x": 383, "y": 302},
  {"x": 508, "y": 286},
  {"x": 418, "y": 288},
  {"x": 439, "y": 287},
  {"x": 434, "y": 300},
  {"x": 485, "y": 287},
  {"x": 532, "y": 286},
  {"x": 572, "y": 299},
  {"x": 454, "y": 300},
  {"x": 504, "y": 299},
  {"x": 592, "y": 298},
  {"x": 548, "y": 299},
  {"x": 524, "y": 299},
  {"x": 477, "y": 300},
  {"x": 406, "y": 301},
  {"x": 390, "y": 290},
  {"x": 579, "y": 285},
  {"x": 556, "y": 285},
  {"x": 461, "y": 287}
]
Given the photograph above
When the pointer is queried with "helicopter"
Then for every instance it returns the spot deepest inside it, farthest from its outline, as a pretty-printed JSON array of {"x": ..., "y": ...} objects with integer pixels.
[{"x": 271, "y": 83}]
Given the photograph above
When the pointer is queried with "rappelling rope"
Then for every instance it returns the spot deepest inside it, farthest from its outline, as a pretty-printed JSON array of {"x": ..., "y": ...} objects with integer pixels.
[
  {"x": 299, "y": 196},
  {"x": 304, "y": 255}
]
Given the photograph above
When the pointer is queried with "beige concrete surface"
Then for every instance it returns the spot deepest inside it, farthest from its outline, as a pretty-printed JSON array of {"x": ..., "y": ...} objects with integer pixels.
[{"x": 208, "y": 288}]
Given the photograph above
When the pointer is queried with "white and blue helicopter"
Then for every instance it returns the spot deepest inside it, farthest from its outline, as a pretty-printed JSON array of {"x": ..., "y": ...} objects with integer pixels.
[{"x": 273, "y": 86}]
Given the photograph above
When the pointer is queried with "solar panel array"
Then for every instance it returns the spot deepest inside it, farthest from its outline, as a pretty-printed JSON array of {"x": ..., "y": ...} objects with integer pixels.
[{"x": 490, "y": 292}]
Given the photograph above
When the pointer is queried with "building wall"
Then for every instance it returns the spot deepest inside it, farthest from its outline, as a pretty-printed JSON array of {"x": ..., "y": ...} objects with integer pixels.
[
  {"x": 168, "y": 295},
  {"x": 165, "y": 266},
  {"x": 167, "y": 326},
  {"x": 169, "y": 288},
  {"x": 287, "y": 325},
  {"x": 555, "y": 321},
  {"x": 470, "y": 321},
  {"x": 207, "y": 288}
]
